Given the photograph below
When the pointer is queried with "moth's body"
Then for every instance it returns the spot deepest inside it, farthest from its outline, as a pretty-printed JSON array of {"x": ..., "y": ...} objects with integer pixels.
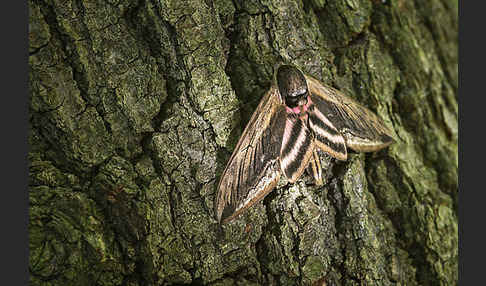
[{"x": 297, "y": 116}]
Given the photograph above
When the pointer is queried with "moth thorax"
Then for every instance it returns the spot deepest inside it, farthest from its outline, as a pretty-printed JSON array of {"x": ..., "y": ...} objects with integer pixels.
[
  {"x": 292, "y": 86},
  {"x": 298, "y": 98}
]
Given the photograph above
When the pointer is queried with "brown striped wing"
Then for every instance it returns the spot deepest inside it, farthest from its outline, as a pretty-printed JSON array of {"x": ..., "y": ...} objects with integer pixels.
[
  {"x": 297, "y": 147},
  {"x": 328, "y": 138},
  {"x": 362, "y": 129},
  {"x": 253, "y": 169}
]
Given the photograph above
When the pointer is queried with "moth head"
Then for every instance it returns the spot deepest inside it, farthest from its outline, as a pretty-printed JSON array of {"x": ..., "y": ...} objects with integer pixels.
[{"x": 292, "y": 86}]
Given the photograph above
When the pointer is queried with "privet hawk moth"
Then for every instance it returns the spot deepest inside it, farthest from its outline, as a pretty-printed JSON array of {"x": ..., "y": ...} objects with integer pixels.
[{"x": 297, "y": 116}]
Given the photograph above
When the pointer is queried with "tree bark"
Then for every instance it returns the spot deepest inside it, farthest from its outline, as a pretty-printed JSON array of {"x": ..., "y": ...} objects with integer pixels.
[{"x": 136, "y": 107}]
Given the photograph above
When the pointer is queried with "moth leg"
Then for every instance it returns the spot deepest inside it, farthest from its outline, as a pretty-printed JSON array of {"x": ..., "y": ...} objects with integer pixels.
[{"x": 314, "y": 168}]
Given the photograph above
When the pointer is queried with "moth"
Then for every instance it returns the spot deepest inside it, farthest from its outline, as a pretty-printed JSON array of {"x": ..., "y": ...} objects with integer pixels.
[{"x": 295, "y": 118}]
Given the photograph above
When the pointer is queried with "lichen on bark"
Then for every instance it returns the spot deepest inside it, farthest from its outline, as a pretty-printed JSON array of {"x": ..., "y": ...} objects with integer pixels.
[{"x": 136, "y": 107}]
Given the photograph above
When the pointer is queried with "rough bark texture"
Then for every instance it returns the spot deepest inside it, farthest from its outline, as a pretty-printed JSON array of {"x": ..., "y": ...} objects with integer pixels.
[{"x": 137, "y": 105}]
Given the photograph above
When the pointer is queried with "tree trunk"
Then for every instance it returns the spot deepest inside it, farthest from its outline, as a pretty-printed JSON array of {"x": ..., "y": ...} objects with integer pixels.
[{"x": 136, "y": 107}]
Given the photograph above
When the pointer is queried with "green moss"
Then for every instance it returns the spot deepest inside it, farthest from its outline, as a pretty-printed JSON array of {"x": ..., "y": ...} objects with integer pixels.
[{"x": 313, "y": 268}]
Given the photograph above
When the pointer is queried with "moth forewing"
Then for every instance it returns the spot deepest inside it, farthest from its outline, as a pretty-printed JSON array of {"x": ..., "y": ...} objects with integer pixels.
[
  {"x": 241, "y": 184},
  {"x": 361, "y": 129},
  {"x": 264, "y": 185}
]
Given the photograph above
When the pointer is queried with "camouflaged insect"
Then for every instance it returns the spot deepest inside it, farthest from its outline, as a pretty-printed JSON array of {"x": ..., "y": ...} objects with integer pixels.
[{"x": 297, "y": 116}]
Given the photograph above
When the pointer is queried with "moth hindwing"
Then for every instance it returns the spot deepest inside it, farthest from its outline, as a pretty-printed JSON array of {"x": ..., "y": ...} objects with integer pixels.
[{"x": 297, "y": 115}]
